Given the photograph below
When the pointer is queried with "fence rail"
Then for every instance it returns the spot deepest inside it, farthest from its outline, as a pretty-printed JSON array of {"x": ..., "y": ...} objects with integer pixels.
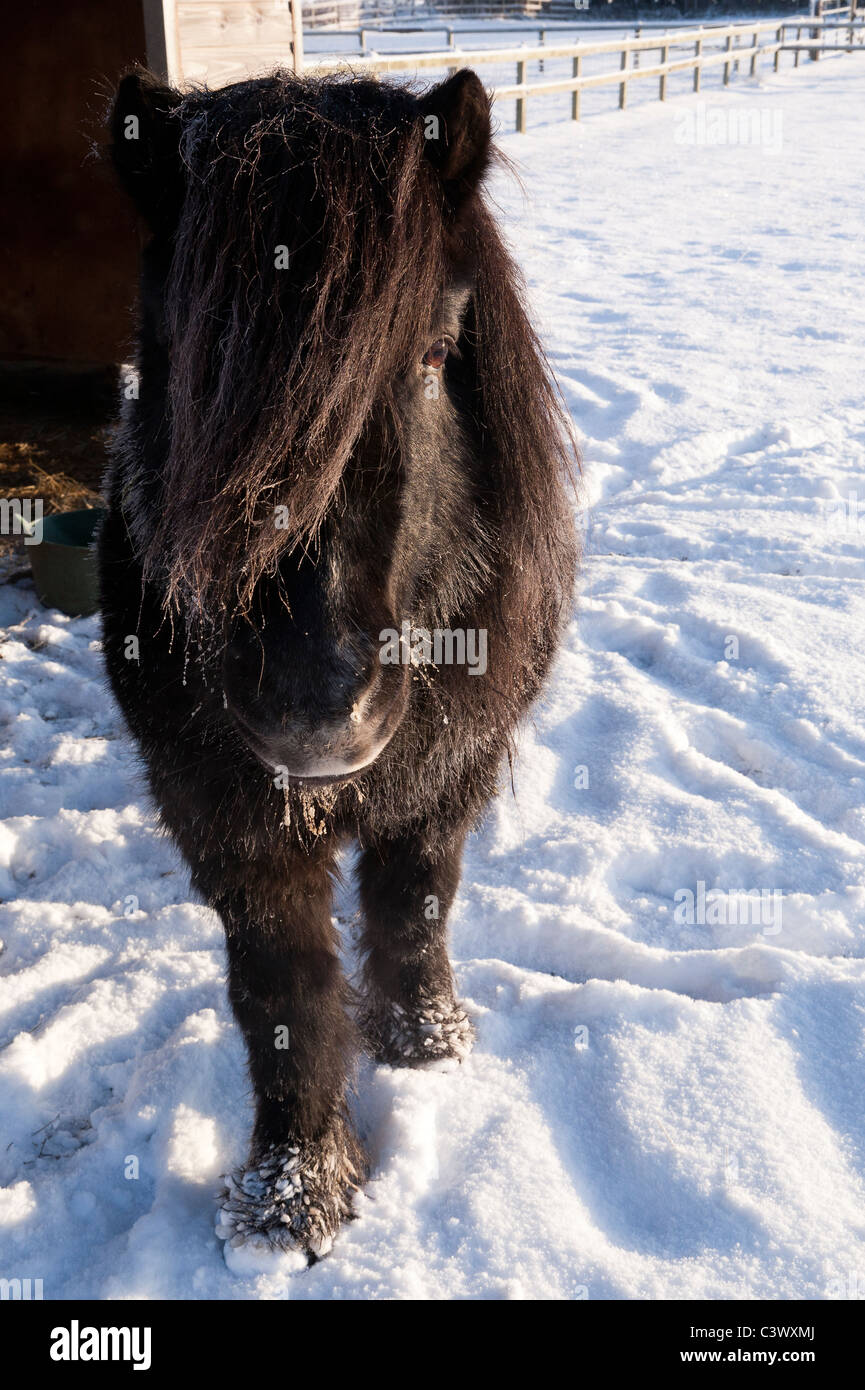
[
  {"x": 367, "y": 33},
  {"x": 765, "y": 38},
  {"x": 473, "y": 57}
]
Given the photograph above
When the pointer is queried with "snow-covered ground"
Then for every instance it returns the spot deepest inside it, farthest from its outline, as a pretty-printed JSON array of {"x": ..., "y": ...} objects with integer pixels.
[{"x": 654, "y": 1108}]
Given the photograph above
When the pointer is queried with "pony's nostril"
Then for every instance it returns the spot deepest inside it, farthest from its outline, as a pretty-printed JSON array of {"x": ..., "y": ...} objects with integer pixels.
[{"x": 315, "y": 692}]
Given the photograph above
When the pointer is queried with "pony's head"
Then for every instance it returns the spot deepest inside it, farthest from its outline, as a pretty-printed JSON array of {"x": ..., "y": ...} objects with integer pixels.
[{"x": 343, "y": 417}]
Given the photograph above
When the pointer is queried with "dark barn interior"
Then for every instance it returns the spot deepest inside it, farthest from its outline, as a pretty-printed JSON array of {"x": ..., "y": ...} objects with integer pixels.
[
  {"x": 69, "y": 247},
  {"x": 69, "y": 241}
]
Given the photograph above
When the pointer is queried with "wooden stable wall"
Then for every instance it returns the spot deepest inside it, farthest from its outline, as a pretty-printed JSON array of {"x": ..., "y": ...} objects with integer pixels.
[
  {"x": 220, "y": 41},
  {"x": 68, "y": 242}
]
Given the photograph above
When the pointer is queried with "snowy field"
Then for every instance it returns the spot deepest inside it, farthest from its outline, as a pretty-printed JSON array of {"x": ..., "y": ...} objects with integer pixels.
[{"x": 655, "y": 1107}]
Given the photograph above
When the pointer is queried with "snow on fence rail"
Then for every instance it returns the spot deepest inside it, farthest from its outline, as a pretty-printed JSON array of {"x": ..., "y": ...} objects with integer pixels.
[{"x": 368, "y": 34}]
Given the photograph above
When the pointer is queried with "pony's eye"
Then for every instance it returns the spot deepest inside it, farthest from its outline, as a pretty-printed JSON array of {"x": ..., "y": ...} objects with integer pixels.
[{"x": 436, "y": 355}]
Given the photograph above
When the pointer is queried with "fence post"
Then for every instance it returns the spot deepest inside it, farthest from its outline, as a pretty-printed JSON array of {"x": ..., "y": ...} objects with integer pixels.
[
  {"x": 575, "y": 94},
  {"x": 814, "y": 54},
  {"x": 638, "y": 34},
  {"x": 779, "y": 39},
  {"x": 755, "y": 37},
  {"x": 727, "y": 64},
  {"x": 797, "y": 54},
  {"x": 662, "y": 85},
  {"x": 521, "y": 101},
  {"x": 623, "y": 86},
  {"x": 698, "y": 53},
  {"x": 543, "y": 39},
  {"x": 296, "y": 37}
]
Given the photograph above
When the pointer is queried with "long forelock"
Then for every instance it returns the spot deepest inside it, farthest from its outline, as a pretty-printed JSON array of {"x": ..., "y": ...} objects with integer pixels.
[{"x": 276, "y": 371}]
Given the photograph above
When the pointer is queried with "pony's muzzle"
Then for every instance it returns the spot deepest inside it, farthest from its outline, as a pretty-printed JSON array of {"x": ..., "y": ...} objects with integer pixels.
[{"x": 333, "y": 736}]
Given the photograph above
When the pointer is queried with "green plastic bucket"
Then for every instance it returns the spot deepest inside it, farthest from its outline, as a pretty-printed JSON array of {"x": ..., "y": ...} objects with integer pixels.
[{"x": 64, "y": 562}]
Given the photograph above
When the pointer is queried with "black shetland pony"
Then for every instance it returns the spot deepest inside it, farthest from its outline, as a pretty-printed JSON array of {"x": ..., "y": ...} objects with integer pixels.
[{"x": 343, "y": 428}]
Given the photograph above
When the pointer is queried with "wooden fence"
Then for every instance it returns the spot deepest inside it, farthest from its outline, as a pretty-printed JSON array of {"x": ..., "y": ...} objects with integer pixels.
[{"x": 742, "y": 43}]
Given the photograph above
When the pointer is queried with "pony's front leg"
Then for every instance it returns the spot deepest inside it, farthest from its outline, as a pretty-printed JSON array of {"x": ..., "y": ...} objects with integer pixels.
[
  {"x": 289, "y": 997},
  {"x": 411, "y": 1014}
]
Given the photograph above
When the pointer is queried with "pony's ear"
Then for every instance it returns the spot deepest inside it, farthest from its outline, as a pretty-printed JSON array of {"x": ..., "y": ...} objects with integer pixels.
[
  {"x": 144, "y": 148},
  {"x": 457, "y": 131}
]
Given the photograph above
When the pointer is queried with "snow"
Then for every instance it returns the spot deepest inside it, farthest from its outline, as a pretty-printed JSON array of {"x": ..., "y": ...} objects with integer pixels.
[{"x": 653, "y": 1109}]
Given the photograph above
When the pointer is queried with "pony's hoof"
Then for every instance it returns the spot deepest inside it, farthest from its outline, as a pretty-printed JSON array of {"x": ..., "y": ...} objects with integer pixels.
[
  {"x": 292, "y": 1198},
  {"x": 435, "y": 1031}
]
